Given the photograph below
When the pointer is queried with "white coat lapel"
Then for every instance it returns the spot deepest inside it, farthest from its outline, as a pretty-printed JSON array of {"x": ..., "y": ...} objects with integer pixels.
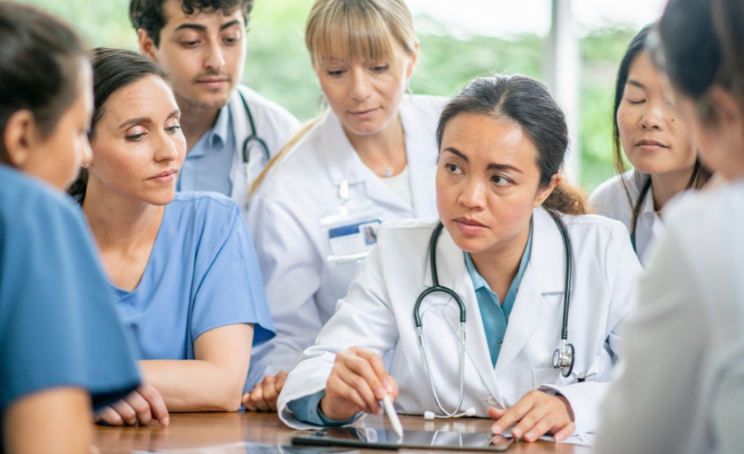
[
  {"x": 240, "y": 132},
  {"x": 453, "y": 274},
  {"x": 421, "y": 152},
  {"x": 544, "y": 275}
]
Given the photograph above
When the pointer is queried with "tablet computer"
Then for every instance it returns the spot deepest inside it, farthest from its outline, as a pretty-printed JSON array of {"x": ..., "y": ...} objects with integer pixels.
[{"x": 388, "y": 439}]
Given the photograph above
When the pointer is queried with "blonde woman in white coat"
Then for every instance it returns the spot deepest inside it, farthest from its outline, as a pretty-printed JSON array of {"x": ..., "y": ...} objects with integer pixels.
[
  {"x": 370, "y": 159},
  {"x": 501, "y": 146},
  {"x": 685, "y": 394}
]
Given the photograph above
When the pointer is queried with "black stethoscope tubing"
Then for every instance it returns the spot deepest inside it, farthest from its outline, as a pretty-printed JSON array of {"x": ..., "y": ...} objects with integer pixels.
[
  {"x": 566, "y": 365},
  {"x": 637, "y": 212},
  {"x": 253, "y": 137}
]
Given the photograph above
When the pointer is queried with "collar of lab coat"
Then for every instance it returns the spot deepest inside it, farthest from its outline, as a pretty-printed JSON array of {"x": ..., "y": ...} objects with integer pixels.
[
  {"x": 545, "y": 275},
  {"x": 343, "y": 162}
]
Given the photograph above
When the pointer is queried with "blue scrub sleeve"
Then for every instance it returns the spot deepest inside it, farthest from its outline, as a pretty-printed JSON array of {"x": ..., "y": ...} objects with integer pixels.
[
  {"x": 58, "y": 322},
  {"x": 307, "y": 410},
  {"x": 231, "y": 290}
]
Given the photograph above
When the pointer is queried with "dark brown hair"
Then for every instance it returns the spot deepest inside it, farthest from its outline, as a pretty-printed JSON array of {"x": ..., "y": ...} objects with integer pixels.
[
  {"x": 40, "y": 59},
  {"x": 701, "y": 48},
  {"x": 528, "y": 103},
  {"x": 113, "y": 69},
  {"x": 148, "y": 14}
]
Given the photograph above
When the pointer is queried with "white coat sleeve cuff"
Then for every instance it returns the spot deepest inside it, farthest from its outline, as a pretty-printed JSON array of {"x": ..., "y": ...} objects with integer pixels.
[{"x": 584, "y": 399}]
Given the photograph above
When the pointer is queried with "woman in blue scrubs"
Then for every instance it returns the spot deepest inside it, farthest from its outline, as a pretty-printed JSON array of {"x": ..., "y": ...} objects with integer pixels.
[
  {"x": 62, "y": 345},
  {"x": 182, "y": 265}
]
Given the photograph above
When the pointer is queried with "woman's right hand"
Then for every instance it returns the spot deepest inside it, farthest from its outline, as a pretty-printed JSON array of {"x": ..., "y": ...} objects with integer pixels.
[
  {"x": 358, "y": 382},
  {"x": 138, "y": 408}
]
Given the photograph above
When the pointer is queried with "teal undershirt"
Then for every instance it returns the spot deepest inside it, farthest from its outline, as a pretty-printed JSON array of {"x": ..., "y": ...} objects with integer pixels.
[{"x": 494, "y": 315}]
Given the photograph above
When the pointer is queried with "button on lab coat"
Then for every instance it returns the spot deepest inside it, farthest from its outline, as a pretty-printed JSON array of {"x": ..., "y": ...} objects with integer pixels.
[
  {"x": 302, "y": 286},
  {"x": 377, "y": 314}
]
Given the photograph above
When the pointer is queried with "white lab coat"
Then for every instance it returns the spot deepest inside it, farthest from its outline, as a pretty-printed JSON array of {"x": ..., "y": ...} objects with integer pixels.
[
  {"x": 681, "y": 383},
  {"x": 302, "y": 287},
  {"x": 377, "y": 314},
  {"x": 610, "y": 199},
  {"x": 274, "y": 124}
]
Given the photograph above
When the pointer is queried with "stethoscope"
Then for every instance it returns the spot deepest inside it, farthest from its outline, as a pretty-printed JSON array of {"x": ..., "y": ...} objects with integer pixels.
[
  {"x": 637, "y": 211},
  {"x": 253, "y": 139},
  {"x": 563, "y": 357}
]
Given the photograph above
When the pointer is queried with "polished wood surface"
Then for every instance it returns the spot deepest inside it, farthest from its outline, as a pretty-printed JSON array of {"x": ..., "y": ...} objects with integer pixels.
[{"x": 226, "y": 433}]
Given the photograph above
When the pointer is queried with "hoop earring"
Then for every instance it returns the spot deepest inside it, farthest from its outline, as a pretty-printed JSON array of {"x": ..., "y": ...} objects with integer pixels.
[
  {"x": 322, "y": 102},
  {"x": 408, "y": 92}
]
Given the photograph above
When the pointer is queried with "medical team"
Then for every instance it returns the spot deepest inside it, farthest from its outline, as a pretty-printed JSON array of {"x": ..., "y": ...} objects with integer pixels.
[{"x": 492, "y": 292}]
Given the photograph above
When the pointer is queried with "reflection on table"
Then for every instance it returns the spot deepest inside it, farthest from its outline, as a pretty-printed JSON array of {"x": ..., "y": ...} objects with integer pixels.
[{"x": 228, "y": 433}]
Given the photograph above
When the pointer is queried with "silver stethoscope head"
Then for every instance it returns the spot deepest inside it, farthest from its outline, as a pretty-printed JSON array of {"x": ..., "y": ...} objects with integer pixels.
[{"x": 563, "y": 358}]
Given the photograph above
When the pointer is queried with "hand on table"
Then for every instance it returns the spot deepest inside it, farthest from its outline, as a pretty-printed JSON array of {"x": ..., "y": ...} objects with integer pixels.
[
  {"x": 534, "y": 415},
  {"x": 264, "y": 395},
  {"x": 358, "y": 382},
  {"x": 139, "y": 407}
]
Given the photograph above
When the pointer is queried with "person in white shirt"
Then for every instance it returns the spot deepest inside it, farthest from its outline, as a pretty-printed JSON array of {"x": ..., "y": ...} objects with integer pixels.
[
  {"x": 369, "y": 159},
  {"x": 656, "y": 141},
  {"x": 681, "y": 388}
]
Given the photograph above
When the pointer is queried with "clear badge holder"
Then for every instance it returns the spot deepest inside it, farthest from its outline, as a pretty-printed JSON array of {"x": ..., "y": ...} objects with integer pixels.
[{"x": 351, "y": 229}]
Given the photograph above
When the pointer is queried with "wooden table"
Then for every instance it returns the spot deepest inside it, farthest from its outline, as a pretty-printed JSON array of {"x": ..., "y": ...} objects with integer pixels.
[{"x": 198, "y": 432}]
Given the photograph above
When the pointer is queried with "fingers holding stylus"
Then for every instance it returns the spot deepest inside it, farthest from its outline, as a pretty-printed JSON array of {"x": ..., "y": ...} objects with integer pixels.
[{"x": 359, "y": 378}]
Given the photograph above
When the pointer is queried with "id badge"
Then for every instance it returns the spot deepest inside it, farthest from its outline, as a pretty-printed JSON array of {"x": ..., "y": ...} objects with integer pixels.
[{"x": 351, "y": 232}]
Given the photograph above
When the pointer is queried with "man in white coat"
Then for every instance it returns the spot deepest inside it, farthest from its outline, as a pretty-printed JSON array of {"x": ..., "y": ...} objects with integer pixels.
[{"x": 231, "y": 131}]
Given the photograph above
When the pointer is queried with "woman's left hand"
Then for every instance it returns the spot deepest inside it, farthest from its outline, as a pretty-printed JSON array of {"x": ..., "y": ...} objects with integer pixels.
[{"x": 534, "y": 415}]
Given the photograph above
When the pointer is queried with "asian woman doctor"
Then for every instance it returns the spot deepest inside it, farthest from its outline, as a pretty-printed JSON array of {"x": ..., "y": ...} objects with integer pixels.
[
  {"x": 503, "y": 207},
  {"x": 368, "y": 159},
  {"x": 656, "y": 140}
]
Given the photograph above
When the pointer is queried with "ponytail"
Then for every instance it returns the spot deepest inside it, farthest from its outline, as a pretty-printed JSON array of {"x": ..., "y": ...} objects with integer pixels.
[
  {"x": 567, "y": 199},
  {"x": 294, "y": 140}
]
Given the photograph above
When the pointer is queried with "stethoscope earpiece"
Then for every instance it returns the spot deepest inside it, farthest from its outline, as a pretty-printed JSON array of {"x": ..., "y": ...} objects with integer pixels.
[{"x": 430, "y": 416}]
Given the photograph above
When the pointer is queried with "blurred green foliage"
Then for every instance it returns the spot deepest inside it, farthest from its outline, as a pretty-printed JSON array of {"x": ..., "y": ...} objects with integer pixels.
[{"x": 278, "y": 66}]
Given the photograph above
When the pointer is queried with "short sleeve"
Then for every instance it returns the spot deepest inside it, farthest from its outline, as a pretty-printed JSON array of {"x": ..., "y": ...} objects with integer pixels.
[
  {"x": 230, "y": 290},
  {"x": 58, "y": 322}
]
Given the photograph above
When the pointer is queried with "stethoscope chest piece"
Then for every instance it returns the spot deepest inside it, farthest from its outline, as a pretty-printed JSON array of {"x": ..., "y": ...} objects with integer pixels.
[{"x": 563, "y": 358}]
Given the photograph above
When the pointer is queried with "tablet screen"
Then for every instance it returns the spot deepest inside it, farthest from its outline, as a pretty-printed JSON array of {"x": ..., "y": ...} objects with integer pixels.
[{"x": 388, "y": 439}]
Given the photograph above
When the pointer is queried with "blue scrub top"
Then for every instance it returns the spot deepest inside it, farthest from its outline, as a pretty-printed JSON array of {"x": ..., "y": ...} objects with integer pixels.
[
  {"x": 202, "y": 274},
  {"x": 58, "y": 321}
]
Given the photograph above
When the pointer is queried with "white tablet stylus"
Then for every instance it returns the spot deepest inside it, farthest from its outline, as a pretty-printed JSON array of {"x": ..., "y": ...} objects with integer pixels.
[{"x": 394, "y": 420}]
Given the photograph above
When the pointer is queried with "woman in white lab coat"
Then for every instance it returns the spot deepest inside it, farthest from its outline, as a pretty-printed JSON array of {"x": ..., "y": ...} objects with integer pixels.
[
  {"x": 656, "y": 141},
  {"x": 685, "y": 394},
  {"x": 369, "y": 159},
  {"x": 502, "y": 143}
]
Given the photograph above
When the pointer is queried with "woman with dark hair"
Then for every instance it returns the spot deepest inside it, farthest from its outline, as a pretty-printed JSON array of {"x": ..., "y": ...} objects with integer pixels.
[
  {"x": 685, "y": 394},
  {"x": 656, "y": 141},
  {"x": 513, "y": 242},
  {"x": 63, "y": 347},
  {"x": 182, "y": 265}
]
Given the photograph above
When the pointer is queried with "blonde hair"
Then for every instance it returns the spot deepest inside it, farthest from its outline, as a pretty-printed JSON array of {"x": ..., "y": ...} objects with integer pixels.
[{"x": 350, "y": 30}]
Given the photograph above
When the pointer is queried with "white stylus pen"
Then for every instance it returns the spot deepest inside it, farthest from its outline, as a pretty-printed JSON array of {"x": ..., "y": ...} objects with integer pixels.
[{"x": 394, "y": 420}]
